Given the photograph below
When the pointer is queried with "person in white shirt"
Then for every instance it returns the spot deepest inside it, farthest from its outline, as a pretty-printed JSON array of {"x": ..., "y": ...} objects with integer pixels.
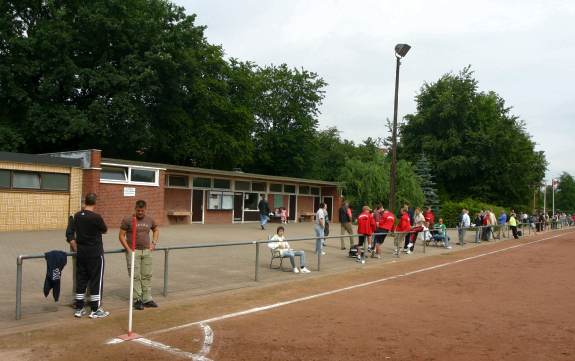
[
  {"x": 278, "y": 242},
  {"x": 320, "y": 228},
  {"x": 464, "y": 223}
]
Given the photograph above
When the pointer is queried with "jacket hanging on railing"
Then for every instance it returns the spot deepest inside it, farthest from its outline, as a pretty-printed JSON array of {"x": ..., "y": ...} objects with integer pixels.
[{"x": 55, "y": 262}]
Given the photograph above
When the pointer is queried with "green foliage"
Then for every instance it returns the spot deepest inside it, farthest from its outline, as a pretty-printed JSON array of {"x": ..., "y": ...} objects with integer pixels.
[
  {"x": 286, "y": 120},
  {"x": 451, "y": 210},
  {"x": 476, "y": 147},
  {"x": 367, "y": 182},
  {"x": 423, "y": 171},
  {"x": 565, "y": 194}
]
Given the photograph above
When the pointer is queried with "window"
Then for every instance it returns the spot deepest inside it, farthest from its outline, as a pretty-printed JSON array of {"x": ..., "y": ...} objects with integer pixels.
[
  {"x": 242, "y": 186},
  {"x": 222, "y": 183},
  {"x": 289, "y": 188},
  {"x": 251, "y": 201},
  {"x": 26, "y": 180},
  {"x": 220, "y": 201},
  {"x": 315, "y": 191},
  {"x": 143, "y": 175},
  {"x": 278, "y": 200},
  {"x": 55, "y": 181},
  {"x": 4, "y": 178},
  {"x": 202, "y": 183},
  {"x": 304, "y": 190},
  {"x": 178, "y": 181},
  {"x": 274, "y": 187},
  {"x": 114, "y": 174},
  {"x": 259, "y": 186}
]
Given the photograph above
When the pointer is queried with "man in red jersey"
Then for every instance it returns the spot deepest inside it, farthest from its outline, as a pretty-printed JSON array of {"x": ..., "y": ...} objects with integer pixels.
[{"x": 365, "y": 228}]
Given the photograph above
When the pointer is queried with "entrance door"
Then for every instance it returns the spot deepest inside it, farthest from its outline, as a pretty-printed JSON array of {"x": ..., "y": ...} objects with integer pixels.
[
  {"x": 238, "y": 206},
  {"x": 198, "y": 206},
  {"x": 329, "y": 202},
  {"x": 292, "y": 207},
  {"x": 315, "y": 204}
]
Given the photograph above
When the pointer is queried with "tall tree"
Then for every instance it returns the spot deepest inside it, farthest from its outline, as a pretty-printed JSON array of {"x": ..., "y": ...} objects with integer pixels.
[
  {"x": 565, "y": 194},
  {"x": 476, "y": 146},
  {"x": 286, "y": 120},
  {"x": 424, "y": 173}
]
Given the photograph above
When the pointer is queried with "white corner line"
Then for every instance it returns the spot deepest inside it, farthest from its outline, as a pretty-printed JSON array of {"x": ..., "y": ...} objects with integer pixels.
[{"x": 328, "y": 293}]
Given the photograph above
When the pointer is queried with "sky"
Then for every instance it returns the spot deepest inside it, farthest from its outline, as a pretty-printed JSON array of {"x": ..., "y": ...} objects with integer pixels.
[{"x": 522, "y": 50}]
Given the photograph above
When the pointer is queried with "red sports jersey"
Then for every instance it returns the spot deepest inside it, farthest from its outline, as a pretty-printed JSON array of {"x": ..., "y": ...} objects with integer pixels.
[
  {"x": 365, "y": 224},
  {"x": 387, "y": 221},
  {"x": 404, "y": 224}
]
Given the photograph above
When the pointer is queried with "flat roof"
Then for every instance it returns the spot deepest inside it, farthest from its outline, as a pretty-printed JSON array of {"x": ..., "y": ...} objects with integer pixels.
[
  {"x": 40, "y": 159},
  {"x": 216, "y": 172}
]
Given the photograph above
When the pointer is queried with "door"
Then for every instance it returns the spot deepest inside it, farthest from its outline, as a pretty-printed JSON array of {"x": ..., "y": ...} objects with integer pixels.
[
  {"x": 198, "y": 206},
  {"x": 315, "y": 204},
  {"x": 292, "y": 207},
  {"x": 238, "y": 206},
  {"x": 329, "y": 202}
]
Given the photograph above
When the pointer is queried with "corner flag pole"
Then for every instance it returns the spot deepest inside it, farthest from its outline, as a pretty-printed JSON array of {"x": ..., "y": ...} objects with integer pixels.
[{"x": 134, "y": 225}]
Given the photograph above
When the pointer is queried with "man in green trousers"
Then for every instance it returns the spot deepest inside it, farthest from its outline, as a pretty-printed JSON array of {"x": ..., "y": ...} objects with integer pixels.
[{"x": 143, "y": 253}]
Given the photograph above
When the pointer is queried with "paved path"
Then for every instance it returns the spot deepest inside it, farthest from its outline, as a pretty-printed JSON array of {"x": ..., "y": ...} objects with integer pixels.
[{"x": 191, "y": 272}]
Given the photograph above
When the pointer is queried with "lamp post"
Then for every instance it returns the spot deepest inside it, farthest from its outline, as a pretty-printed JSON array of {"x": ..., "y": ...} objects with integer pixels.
[{"x": 400, "y": 51}]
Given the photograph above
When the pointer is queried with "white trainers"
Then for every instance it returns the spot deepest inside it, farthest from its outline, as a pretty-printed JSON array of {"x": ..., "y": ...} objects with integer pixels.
[
  {"x": 408, "y": 251},
  {"x": 295, "y": 270},
  {"x": 323, "y": 253},
  {"x": 304, "y": 270},
  {"x": 99, "y": 313},
  {"x": 448, "y": 247},
  {"x": 410, "y": 245},
  {"x": 79, "y": 312}
]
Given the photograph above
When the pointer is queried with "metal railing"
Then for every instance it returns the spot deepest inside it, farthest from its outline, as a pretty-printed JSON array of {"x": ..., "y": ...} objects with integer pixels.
[{"x": 398, "y": 237}]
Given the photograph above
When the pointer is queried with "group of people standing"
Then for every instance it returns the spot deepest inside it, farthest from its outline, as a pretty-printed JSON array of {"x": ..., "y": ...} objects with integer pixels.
[{"x": 84, "y": 234}]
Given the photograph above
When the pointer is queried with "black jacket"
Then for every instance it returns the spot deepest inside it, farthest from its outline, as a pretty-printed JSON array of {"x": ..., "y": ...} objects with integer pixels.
[
  {"x": 87, "y": 228},
  {"x": 55, "y": 263}
]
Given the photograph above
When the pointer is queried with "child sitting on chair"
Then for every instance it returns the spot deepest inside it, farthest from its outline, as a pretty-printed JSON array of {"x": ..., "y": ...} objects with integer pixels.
[{"x": 278, "y": 242}]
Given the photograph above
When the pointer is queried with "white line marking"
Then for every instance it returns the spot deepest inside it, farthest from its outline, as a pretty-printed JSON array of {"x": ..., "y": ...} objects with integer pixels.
[
  {"x": 328, "y": 293},
  {"x": 201, "y": 356}
]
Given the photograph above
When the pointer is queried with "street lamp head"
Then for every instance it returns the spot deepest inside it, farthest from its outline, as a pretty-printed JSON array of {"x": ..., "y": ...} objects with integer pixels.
[{"x": 401, "y": 50}]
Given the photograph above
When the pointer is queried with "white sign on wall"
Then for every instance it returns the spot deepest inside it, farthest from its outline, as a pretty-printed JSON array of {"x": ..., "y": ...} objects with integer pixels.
[{"x": 129, "y": 191}]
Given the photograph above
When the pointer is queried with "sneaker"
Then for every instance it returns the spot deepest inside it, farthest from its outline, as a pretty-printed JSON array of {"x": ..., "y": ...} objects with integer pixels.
[
  {"x": 79, "y": 312},
  {"x": 323, "y": 253},
  {"x": 305, "y": 270},
  {"x": 99, "y": 313},
  {"x": 363, "y": 261},
  {"x": 150, "y": 304},
  {"x": 410, "y": 245},
  {"x": 295, "y": 270},
  {"x": 448, "y": 247},
  {"x": 408, "y": 252},
  {"x": 138, "y": 305}
]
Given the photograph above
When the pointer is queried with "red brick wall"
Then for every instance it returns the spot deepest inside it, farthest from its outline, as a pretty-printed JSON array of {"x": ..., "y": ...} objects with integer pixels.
[
  {"x": 177, "y": 200},
  {"x": 304, "y": 205},
  {"x": 218, "y": 217},
  {"x": 113, "y": 206},
  {"x": 271, "y": 201}
]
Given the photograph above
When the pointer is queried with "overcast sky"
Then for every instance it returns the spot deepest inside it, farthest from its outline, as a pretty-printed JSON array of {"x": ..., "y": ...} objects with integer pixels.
[{"x": 523, "y": 50}]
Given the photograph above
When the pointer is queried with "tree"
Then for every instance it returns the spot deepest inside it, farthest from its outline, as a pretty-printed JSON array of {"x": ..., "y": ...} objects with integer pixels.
[
  {"x": 475, "y": 145},
  {"x": 135, "y": 78},
  {"x": 286, "y": 113},
  {"x": 423, "y": 171},
  {"x": 565, "y": 193},
  {"x": 367, "y": 182}
]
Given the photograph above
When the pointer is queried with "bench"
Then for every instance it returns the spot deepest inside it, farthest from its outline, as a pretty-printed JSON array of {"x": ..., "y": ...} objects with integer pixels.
[
  {"x": 178, "y": 214},
  {"x": 307, "y": 216}
]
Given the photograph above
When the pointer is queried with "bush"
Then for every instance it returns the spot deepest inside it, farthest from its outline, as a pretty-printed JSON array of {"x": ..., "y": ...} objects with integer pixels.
[{"x": 451, "y": 210}]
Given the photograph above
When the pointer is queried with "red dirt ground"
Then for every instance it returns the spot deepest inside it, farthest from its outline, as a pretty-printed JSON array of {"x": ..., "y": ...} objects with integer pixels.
[{"x": 512, "y": 305}]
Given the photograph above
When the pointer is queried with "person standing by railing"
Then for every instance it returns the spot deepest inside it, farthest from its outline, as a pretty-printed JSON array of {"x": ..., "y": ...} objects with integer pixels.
[
  {"x": 143, "y": 266},
  {"x": 513, "y": 225},
  {"x": 345, "y": 224},
  {"x": 404, "y": 226},
  {"x": 365, "y": 228},
  {"x": 320, "y": 228},
  {"x": 464, "y": 223},
  {"x": 84, "y": 233}
]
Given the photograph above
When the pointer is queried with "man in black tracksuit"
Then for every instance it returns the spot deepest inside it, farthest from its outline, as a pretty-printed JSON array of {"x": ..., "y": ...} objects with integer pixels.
[{"x": 85, "y": 236}]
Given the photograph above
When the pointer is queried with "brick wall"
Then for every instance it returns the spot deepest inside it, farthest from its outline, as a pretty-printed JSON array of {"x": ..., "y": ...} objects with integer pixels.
[
  {"x": 177, "y": 200},
  {"x": 113, "y": 206},
  {"x": 22, "y": 210},
  {"x": 217, "y": 217},
  {"x": 333, "y": 192},
  {"x": 304, "y": 205}
]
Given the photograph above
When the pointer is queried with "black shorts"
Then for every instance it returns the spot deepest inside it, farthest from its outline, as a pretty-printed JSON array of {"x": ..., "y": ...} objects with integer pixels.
[
  {"x": 379, "y": 238},
  {"x": 362, "y": 238}
]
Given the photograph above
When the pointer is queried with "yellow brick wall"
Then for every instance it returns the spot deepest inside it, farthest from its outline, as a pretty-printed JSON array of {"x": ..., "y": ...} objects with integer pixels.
[{"x": 35, "y": 210}]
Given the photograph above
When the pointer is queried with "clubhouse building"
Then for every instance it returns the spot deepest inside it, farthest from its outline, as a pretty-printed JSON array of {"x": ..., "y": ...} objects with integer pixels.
[{"x": 40, "y": 191}]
